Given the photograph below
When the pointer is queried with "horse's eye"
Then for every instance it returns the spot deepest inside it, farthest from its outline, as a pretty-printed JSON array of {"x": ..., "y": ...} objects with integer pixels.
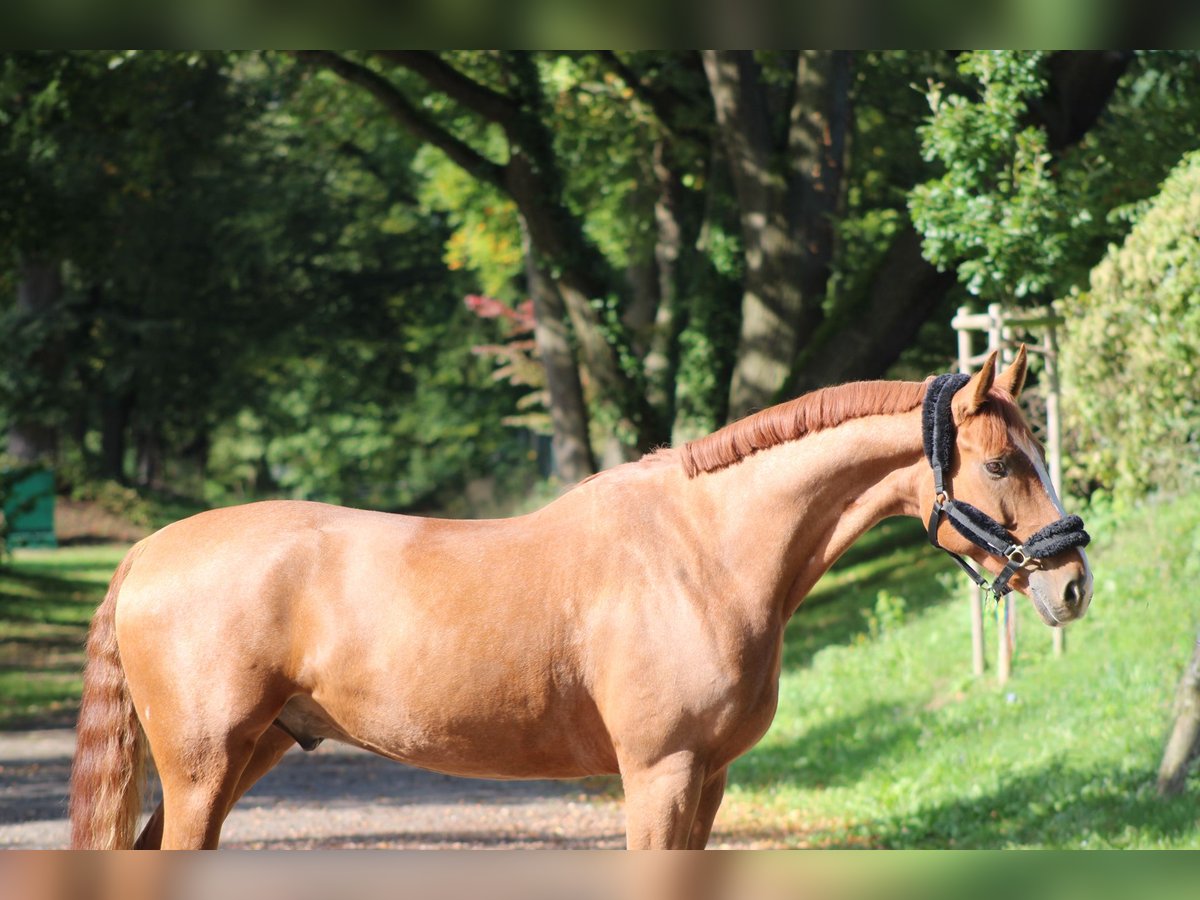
[{"x": 996, "y": 468}]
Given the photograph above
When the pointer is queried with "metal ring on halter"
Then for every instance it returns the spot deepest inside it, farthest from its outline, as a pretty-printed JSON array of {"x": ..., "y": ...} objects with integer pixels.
[{"x": 1016, "y": 555}]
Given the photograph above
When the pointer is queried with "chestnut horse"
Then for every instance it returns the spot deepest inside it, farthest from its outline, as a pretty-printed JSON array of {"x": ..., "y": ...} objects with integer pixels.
[{"x": 633, "y": 626}]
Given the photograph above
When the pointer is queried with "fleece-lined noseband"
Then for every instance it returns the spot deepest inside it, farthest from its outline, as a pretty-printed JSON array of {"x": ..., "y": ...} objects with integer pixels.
[{"x": 976, "y": 526}]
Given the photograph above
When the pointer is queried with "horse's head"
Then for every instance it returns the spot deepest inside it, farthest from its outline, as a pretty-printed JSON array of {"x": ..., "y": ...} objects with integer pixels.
[{"x": 997, "y": 467}]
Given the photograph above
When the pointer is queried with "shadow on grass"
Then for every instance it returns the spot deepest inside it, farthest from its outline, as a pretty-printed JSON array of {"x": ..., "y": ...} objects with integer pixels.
[
  {"x": 1054, "y": 806},
  {"x": 836, "y": 753},
  {"x": 28, "y": 595},
  {"x": 44, "y": 618}
]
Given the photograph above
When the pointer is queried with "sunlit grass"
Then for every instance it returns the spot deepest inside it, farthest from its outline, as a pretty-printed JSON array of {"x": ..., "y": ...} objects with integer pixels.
[{"x": 47, "y": 598}]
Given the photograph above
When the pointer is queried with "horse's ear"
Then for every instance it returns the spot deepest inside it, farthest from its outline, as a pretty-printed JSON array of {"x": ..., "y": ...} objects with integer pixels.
[
  {"x": 971, "y": 397},
  {"x": 1012, "y": 379}
]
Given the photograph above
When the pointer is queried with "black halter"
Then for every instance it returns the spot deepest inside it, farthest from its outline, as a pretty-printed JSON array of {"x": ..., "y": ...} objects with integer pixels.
[{"x": 975, "y": 525}]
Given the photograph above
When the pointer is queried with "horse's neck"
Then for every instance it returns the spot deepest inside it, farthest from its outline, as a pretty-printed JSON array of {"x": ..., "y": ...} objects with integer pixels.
[{"x": 789, "y": 512}]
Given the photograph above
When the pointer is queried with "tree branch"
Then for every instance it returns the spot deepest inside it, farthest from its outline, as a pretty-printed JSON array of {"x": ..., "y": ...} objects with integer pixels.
[
  {"x": 403, "y": 111},
  {"x": 863, "y": 342},
  {"x": 441, "y": 76},
  {"x": 741, "y": 107},
  {"x": 1081, "y": 83}
]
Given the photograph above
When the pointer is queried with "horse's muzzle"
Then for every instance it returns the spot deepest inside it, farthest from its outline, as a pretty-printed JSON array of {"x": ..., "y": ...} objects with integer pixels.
[{"x": 1061, "y": 595}]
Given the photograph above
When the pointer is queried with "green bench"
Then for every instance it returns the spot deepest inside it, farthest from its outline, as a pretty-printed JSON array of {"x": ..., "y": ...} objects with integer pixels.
[{"x": 29, "y": 507}]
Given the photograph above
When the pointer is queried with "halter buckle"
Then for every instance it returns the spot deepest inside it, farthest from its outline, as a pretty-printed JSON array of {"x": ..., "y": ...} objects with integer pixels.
[{"x": 1016, "y": 555}]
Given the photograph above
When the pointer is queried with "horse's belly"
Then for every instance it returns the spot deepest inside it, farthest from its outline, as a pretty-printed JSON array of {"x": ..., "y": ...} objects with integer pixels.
[{"x": 557, "y": 737}]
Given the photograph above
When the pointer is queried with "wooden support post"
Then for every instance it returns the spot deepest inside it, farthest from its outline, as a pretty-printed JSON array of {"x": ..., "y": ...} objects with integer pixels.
[
  {"x": 995, "y": 317},
  {"x": 1004, "y": 645},
  {"x": 1053, "y": 440},
  {"x": 1004, "y": 634},
  {"x": 964, "y": 343},
  {"x": 978, "y": 663},
  {"x": 974, "y": 593}
]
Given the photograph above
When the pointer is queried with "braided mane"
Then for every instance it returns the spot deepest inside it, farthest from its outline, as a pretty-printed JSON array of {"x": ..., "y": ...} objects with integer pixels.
[{"x": 826, "y": 408}]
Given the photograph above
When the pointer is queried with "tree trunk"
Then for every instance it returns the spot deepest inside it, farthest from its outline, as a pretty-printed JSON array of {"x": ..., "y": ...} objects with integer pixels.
[
  {"x": 114, "y": 424},
  {"x": 150, "y": 459},
  {"x": 39, "y": 285},
  {"x": 568, "y": 411},
  {"x": 533, "y": 180},
  {"x": 579, "y": 286},
  {"x": 787, "y": 195},
  {"x": 662, "y": 353},
  {"x": 863, "y": 342},
  {"x": 1184, "y": 743}
]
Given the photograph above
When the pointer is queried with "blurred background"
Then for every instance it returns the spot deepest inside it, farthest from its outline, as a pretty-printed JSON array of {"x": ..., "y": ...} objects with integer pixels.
[{"x": 452, "y": 283}]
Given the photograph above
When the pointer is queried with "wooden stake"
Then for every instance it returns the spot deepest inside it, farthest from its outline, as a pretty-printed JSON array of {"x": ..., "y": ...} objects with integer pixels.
[
  {"x": 974, "y": 592},
  {"x": 1004, "y": 648},
  {"x": 978, "y": 664},
  {"x": 1054, "y": 443}
]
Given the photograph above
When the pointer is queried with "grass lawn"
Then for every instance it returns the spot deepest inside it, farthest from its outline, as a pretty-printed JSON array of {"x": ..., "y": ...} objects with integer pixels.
[
  {"x": 47, "y": 598},
  {"x": 883, "y": 737}
]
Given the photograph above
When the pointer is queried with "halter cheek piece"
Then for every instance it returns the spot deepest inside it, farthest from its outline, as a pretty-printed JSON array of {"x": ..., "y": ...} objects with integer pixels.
[{"x": 976, "y": 526}]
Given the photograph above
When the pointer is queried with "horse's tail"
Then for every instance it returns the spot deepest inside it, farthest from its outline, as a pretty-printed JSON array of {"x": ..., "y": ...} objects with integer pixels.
[{"x": 108, "y": 774}]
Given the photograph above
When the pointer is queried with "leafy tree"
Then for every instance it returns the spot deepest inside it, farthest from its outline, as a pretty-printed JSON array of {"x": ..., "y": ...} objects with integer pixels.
[
  {"x": 227, "y": 255},
  {"x": 1042, "y": 154},
  {"x": 996, "y": 212}
]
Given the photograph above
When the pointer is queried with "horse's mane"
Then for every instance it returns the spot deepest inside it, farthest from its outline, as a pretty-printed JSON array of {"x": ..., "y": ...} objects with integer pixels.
[{"x": 817, "y": 411}]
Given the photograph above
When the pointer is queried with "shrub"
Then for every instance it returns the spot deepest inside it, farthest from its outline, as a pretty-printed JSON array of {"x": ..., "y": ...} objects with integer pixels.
[{"x": 1131, "y": 351}]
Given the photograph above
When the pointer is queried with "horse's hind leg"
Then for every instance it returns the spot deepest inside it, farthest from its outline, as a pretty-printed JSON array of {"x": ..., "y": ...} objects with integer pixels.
[
  {"x": 202, "y": 738},
  {"x": 710, "y": 801},
  {"x": 661, "y": 801},
  {"x": 267, "y": 752},
  {"x": 199, "y": 774}
]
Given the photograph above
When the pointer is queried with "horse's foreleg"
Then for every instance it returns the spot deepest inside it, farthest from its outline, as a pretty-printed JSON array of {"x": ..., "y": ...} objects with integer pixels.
[
  {"x": 661, "y": 801},
  {"x": 706, "y": 811},
  {"x": 267, "y": 753}
]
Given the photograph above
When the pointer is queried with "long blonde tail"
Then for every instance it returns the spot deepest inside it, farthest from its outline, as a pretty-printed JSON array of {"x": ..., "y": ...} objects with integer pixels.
[{"x": 109, "y": 770}]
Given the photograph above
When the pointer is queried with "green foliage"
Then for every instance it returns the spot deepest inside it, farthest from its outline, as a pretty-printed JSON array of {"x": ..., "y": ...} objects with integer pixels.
[
  {"x": 242, "y": 249},
  {"x": 1131, "y": 354},
  {"x": 604, "y": 153},
  {"x": 361, "y": 425},
  {"x": 486, "y": 236},
  {"x": 1151, "y": 121},
  {"x": 119, "y": 499},
  {"x": 887, "y": 615},
  {"x": 996, "y": 213},
  {"x": 263, "y": 270},
  {"x": 1017, "y": 222}
]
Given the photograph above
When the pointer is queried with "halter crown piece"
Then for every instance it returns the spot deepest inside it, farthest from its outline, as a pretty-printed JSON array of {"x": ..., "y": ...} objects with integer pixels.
[{"x": 976, "y": 526}]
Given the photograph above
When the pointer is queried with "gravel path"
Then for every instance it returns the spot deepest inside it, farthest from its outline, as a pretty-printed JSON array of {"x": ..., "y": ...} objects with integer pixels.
[{"x": 332, "y": 798}]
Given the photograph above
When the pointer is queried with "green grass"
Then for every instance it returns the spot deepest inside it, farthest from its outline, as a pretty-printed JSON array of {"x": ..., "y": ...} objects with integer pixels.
[
  {"x": 890, "y": 742},
  {"x": 883, "y": 737},
  {"x": 47, "y": 598}
]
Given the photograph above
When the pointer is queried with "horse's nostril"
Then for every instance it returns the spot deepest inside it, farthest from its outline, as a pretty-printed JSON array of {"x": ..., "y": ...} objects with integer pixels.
[{"x": 1073, "y": 596}]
